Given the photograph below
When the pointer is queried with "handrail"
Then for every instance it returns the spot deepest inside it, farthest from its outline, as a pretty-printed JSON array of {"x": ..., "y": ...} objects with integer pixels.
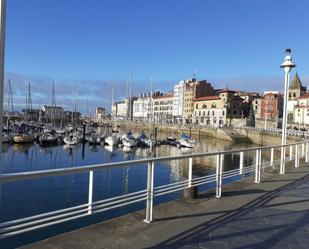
[
  {"x": 17, "y": 226},
  {"x": 10, "y": 177}
]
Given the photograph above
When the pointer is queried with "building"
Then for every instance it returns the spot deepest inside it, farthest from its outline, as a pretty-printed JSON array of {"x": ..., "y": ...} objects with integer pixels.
[
  {"x": 100, "y": 113},
  {"x": 51, "y": 113},
  {"x": 210, "y": 110},
  {"x": 142, "y": 107},
  {"x": 256, "y": 104},
  {"x": 271, "y": 109},
  {"x": 296, "y": 89},
  {"x": 178, "y": 101},
  {"x": 30, "y": 114},
  {"x": 219, "y": 110},
  {"x": 194, "y": 89},
  {"x": 71, "y": 117},
  {"x": 301, "y": 111},
  {"x": 163, "y": 108},
  {"x": 123, "y": 110},
  {"x": 185, "y": 92}
]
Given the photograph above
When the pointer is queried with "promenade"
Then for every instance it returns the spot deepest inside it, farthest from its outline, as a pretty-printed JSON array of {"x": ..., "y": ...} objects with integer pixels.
[{"x": 272, "y": 214}]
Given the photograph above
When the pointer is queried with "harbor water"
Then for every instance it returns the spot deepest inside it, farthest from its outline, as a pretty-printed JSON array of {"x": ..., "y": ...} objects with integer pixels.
[{"x": 30, "y": 197}]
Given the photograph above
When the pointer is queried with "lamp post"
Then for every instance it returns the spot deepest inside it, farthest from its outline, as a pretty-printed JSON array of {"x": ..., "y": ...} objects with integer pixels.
[{"x": 287, "y": 65}]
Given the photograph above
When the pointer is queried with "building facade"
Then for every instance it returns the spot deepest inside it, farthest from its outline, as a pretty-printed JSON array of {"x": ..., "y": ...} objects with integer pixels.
[
  {"x": 301, "y": 111},
  {"x": 296, "y": 89},
  {"x": 142, "y": 108},
  {"x": 194, "y": 89},
  {"x": 163, "y": 108},
  {"x": 219, "y": 110},
  {"x": 271, "y": 108}
]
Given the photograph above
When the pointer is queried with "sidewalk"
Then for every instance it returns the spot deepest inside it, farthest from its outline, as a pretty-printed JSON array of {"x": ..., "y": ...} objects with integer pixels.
[{"x": 272, "y": 214}]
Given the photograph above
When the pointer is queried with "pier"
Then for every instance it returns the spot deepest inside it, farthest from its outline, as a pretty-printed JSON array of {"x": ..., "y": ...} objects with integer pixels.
[{"x": 272, "y": 214}]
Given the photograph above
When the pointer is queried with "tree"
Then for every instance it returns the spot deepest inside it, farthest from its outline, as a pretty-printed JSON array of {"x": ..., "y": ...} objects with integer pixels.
[{"x": 251, "y": 117}]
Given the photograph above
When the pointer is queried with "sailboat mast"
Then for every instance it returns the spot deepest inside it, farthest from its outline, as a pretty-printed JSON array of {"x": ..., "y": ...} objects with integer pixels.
[
  {"x": 130, "y": 97},
  {"x": 29, "y": 97}
]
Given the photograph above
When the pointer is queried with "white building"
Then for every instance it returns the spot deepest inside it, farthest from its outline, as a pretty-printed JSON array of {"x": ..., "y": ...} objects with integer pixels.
[
  {"x": 178, "y": 101},
  {"x": 296, "y": 90},
  {"x": 142, "y": 108},
  {"x": 301, "y": 110},
  {"x": 163, "y": 108}
]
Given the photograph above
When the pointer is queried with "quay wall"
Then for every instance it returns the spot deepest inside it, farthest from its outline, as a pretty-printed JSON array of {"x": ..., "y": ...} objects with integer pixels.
[
  {"x": 267, "y": 139},
  {"x": 176, "y": 130},
  {"x": 256, "y": 137}
]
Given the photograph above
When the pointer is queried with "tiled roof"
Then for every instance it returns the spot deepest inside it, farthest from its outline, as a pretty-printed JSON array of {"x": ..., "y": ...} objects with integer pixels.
[
  {"x": 305, "y": 96},
  {"x": 208, "y": 98},
  {"x": 226, "y": 90}
]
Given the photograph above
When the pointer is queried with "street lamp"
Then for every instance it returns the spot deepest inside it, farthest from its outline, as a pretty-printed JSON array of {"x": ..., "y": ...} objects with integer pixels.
[{"x": 287, "y": 65}]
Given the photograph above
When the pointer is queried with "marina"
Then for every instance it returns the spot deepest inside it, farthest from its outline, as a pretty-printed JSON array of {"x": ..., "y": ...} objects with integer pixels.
[{"x": 67, "y": 191}]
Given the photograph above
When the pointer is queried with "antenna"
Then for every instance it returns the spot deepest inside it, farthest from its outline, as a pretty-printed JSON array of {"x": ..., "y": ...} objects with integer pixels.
[{"x": 195, "y": 74}]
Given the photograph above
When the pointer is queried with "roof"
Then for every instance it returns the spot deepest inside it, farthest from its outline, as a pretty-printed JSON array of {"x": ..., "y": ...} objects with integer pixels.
[
  {"x": 226, "y": 90},
  {"x": 168, "y": 95},
  {"x": 296, "y": 83},
  {"x": 207, "y": 98},
  {"x": 305, "y": 96},
  {"x": 248, "y": 94}
]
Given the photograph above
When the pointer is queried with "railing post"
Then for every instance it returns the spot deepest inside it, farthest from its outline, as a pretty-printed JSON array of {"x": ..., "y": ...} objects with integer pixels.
[
  {"x": 190, "y": 172},
  {"x": 291, "y": 152},
  {"x": 306, "y": 153},
  {"x": 150, "y": 180},
  {"x": 219, "y": 175},
  {"x": 90, "y": 192},
  {"x": 296, "y": 156},
  {"x": 257, "y": 166},
  {"x": 282, "y": 162},
  {"x": 302, "y": 150},
  {"x": 241, "y": 163},
  {"x": 272, "y": 157}
]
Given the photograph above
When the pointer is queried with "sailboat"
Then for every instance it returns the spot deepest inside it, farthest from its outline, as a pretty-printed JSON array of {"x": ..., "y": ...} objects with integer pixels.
[{"x": 128, "y": 140}]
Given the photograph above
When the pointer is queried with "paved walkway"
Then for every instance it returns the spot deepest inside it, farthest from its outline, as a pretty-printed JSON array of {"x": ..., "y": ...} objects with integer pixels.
[{"x": 272, "y": 214}]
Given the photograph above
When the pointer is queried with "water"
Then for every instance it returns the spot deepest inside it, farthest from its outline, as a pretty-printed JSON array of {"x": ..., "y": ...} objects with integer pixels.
[{"x": 30, "y": 197}]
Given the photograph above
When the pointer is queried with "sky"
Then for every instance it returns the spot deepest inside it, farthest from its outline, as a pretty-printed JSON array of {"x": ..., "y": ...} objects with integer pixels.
[{"x": 88, "y": 46}]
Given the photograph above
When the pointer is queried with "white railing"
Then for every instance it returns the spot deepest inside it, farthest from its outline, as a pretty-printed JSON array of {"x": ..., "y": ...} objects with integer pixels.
[
  {"x": 295, "y": 133},
  {"x": 13, "y": 227}
]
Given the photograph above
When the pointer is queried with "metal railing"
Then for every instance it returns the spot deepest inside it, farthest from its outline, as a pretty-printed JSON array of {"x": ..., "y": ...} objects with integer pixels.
[
  {"x": 295, "y": 133},
  {"x": 13, "y": 227}
]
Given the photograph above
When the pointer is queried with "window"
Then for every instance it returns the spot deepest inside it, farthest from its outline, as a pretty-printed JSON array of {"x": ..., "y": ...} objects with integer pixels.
[
  {"x": 213, "y": 105},
  {"x": 234, "y": 112},
  {"x": 196, "y": 106},
  {"x": 213, "y": 113},
  {"x": 294, "y": 95},
  {"x": 222, "y": 113}
]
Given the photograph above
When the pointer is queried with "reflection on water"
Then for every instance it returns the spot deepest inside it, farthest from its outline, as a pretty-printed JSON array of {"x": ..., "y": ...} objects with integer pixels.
[{"x": 31, "y": 197}]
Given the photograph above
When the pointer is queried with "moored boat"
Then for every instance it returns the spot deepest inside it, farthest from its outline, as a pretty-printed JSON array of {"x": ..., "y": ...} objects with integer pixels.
[
  {"x": 23, "y": 138},
  {"x": 186, "y": 141},
  {"x": 112, "y": 140}
]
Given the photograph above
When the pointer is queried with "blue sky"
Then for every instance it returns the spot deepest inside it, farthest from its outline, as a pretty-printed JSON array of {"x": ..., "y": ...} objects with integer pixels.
[{"x": 95, "y": 42}]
